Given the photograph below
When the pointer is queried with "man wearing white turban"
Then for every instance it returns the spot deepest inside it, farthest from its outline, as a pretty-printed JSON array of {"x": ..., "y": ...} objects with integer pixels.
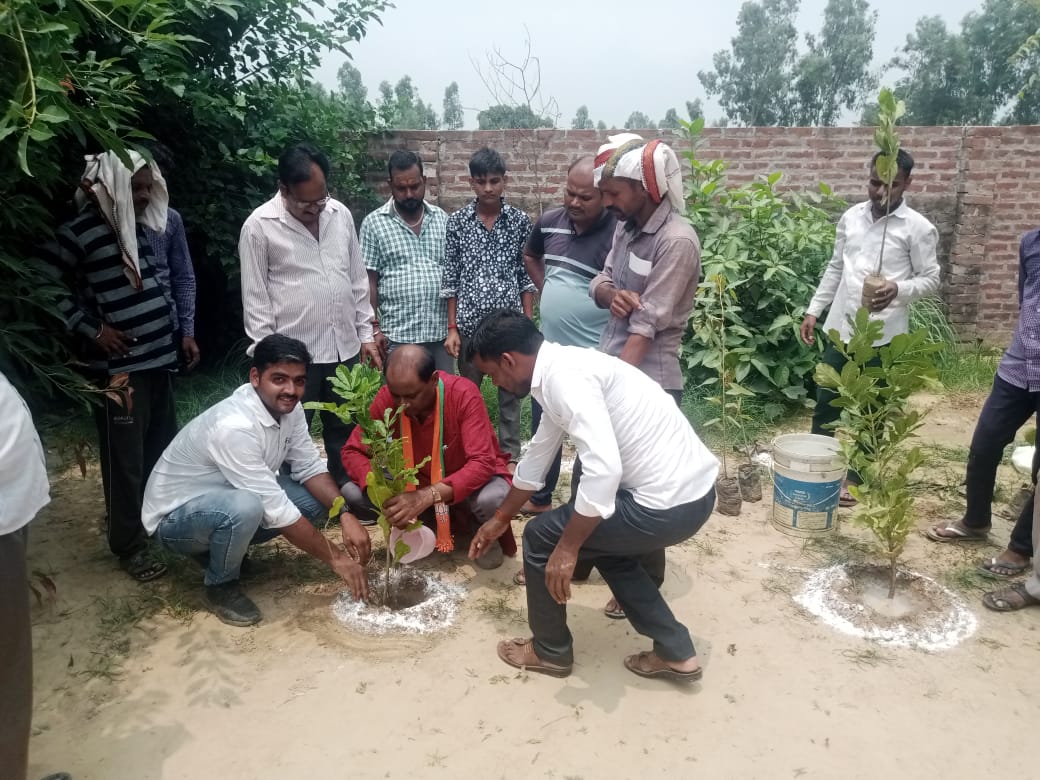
[
  {"x": 650, "y": 277},
  {"x": 117, "y": 308}
]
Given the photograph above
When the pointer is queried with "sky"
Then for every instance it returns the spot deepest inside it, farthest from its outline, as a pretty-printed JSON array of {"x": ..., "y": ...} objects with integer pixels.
[{"x": 611, "y": 56}]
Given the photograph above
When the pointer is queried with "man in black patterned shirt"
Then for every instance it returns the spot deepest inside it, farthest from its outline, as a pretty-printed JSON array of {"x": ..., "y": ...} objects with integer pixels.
[{"x": 484, "y": 271}]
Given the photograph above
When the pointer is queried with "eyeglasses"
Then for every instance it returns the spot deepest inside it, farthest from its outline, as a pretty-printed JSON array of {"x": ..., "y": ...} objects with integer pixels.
[{"x": 304, "y": 204}]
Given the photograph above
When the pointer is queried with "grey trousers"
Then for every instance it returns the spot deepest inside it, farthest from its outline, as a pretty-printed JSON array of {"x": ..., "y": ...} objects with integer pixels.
[
  {"x": 16, "y": 652},
  {"x": 615, "y": 546},
  {"x": 481, "y": 504},
  {"x": 508, "y": 408}
]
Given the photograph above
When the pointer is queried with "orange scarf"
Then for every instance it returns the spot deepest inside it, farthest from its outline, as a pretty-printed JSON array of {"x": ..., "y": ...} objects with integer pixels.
[{"x": 440, "y": 509}]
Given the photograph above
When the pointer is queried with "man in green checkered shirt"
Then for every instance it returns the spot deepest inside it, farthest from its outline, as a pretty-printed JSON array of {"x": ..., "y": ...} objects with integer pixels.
[{"x": 402, "y": 243}]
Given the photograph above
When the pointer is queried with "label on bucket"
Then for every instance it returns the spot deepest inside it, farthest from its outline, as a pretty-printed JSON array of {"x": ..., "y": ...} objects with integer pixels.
[{"x": 807, "y": 506}]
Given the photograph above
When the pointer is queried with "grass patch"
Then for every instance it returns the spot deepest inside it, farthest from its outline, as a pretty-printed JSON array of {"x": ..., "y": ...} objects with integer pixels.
[
  {"x": 961, "y": 366},
  {"x": 197, "y": 392}
]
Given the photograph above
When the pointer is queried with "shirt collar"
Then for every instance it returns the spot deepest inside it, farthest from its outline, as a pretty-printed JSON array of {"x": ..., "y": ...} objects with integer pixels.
[
  {"x": 275, "y": 209},
  {"x": 251, "y": 401},
  {"x": 388, "y": 208},
  {"x": 541, "y": 361},
  {"x": 604, "y": 218},
  {"x": 900, "y": 212},
  {"x": 658, "y": 218}
]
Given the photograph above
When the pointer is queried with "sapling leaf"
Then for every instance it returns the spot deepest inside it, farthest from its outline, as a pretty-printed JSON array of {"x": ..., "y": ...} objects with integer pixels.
[
  {"x": 337, "y": 507},
  {"x": 401, "y": 549}
]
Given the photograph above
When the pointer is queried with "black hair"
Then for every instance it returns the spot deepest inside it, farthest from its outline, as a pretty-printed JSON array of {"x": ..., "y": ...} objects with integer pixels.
[
  {"x": 904, "y": 161},
  {"x": 403, "y": 160},
  {"x": 503, "y": 330},
  {"x": 294, "y": 165},
  {"x": 485, "y": 161},
  {"x": 277, "y": 348},
  {"x": 578, "y": 161},
  {"x": 423, "y": 363}
]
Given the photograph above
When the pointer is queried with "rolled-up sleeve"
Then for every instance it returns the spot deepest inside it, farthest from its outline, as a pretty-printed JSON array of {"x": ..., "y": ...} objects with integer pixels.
[
  {"x": 666, "y": 283},
  {"x": 238, "y": 455}
]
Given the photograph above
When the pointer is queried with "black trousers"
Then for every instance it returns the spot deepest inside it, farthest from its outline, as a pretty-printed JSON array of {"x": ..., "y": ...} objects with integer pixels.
[
  {"x": 334, "y": 432},
  {"x": 1006, "y": 409},
  {"x": 131, "y": 438},
  {"x": 16, "y": 652},
  {"x": 615, "y": 546}
]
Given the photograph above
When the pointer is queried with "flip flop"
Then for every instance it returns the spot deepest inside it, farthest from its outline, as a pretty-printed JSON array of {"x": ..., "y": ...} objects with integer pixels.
[
  {"x": 958, "y": 531},
  {"x": 1010, "y": 599},
  {"x": 519, "y": 653},
  {"x": 845, "y": 499},
  {"x": 520, "y": 579},
  {"x": 617, "y": 613},
  {"x": 989, "y": 569},
  {"x": 649, "y": 664},
  {"x": 143, "y": 567}
]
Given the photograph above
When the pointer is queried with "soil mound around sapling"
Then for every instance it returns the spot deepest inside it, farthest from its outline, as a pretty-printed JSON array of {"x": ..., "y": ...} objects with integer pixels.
[
  {"x": 853, "y": 598},
  {"x": 419, "y": 603}
]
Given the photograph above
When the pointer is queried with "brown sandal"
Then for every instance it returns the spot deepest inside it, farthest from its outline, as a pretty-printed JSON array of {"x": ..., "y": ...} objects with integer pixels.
[
  {"x": 650, "y": 664},
  {"x": 519, "y": 653},
  {"x": 1010, "y": 599}
]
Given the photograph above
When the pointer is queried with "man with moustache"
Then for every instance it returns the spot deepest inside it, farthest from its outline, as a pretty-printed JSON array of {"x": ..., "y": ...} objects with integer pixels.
[
  {"x": 650, "y": 278},
  {"x": 245, "y": 471},
  {"x": 565, "y": 250},
  {"x": 910, "y": 267},
  {"x": 402, "y": 244},
  {"x": 303, "y": 277}
]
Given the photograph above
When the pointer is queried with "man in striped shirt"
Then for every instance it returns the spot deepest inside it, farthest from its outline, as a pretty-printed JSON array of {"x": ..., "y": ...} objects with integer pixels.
[
  {"x": 564, "y": 252},
  {"x": 402, "y": 243},
  {"x": 303, "y": 277},
  {"x": 116, "y": 306}
]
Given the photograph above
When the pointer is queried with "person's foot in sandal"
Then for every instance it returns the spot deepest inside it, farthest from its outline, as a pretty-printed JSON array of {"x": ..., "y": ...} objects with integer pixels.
[
  {"x": 650, "y": 664},
  {"x": 143, "y": 566},
  {"x": 956, "y": 531},
  {"x": 1010, "y": 599},
  {"x": 613, "y": 610},
  {"x": 520, "y": 578},
  {"x": 1006, "y": 566},
  {"x": 845, "y": 498},
  {"x": 519, "y": 653}
]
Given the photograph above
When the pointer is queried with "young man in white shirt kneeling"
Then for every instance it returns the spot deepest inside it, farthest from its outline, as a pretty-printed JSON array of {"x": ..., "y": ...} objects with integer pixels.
[{"x": 216, "y": 489}]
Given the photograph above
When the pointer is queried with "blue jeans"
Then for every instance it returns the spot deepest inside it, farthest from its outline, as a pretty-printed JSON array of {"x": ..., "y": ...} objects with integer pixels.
[
  {"x": 615, "y": 546},
  {"x": 224, "y": 522}
]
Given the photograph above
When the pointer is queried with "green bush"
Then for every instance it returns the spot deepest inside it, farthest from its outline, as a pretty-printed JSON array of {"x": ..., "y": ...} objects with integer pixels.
[
  {"x": 223, "y": 83},
  {"x": 769, "y": 249}
]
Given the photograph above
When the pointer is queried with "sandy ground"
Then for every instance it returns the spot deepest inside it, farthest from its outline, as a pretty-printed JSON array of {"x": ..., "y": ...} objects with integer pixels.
[{"x": 132, "y": 682}]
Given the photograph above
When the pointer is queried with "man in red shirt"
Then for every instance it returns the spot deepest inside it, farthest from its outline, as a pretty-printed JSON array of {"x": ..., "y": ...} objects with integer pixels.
[{"x": 475, "y": 475}]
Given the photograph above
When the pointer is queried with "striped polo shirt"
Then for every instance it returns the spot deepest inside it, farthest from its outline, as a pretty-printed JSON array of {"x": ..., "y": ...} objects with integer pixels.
[
  {"x": 569, "y": 316},
  {"x": 85, "y": 257}
]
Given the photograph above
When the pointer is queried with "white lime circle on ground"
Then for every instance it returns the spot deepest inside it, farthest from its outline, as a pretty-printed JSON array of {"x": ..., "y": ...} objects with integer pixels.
[
  {"x": 946, "y": 624},
  {"x": 436, "y": 612}
]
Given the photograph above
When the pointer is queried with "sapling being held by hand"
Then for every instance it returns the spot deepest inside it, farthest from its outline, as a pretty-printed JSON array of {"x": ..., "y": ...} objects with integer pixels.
[{"x": 389, "y": 475}]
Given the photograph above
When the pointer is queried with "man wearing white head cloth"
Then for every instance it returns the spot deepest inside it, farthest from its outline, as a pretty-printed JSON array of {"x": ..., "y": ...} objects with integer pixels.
[
  {"x": 650, "y": 277},
  {"x": 124, "y": 326}
]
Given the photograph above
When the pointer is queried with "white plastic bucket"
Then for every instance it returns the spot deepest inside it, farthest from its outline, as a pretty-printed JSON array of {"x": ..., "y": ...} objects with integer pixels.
[{"x": 807, "y": 474}]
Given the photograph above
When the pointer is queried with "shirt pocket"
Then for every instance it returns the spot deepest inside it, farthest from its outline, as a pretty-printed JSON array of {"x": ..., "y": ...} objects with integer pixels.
[{"x": 637, "y": 272}]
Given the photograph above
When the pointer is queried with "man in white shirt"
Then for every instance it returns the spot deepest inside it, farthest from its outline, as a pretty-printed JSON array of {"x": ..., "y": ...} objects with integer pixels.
[
  {"x": 303, "y": 277},
  {"x": 216, "y": 489},
  {"x": 910, "y": 268},
  {"x": 647, "y": 483},
  {"x": 23, "y": 492}
]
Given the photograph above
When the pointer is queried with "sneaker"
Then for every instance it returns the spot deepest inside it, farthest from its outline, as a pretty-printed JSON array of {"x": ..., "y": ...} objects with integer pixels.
[
  {"x": 492, "y": 559},
  {"x": 231, "y": 605}
]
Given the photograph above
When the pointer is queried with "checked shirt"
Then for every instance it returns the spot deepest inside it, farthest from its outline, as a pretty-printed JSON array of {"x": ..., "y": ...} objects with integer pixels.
[{"x": 410, "y": 268}]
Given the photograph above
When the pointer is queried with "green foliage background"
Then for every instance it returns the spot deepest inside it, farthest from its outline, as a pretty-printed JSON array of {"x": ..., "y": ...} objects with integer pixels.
[
  {"x": 765, "y": 251},
  {"x": 222, "y": 83}
]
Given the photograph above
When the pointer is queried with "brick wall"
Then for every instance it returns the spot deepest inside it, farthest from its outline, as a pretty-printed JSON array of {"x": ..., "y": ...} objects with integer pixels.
[{"x": 975, "y": 183}]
